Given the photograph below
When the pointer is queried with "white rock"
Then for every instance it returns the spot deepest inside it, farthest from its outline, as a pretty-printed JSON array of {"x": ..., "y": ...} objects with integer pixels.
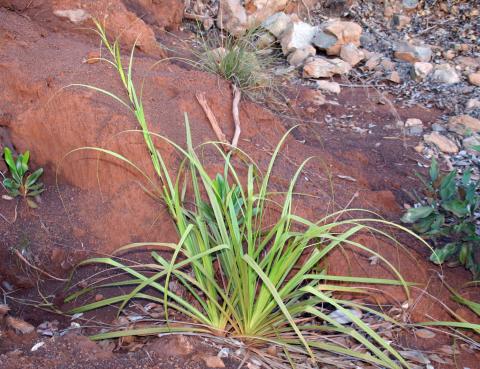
[
  {"x": 351, "y": 54},
  {"x": 297, "y": 57},
  {"x": 74, "y": 15},
  {"x": 277, "y": 23},
  {"x": 445, "y": 73},
  {"x": 473, "y": 104},
  {"x": 421, "y": 70},
  {"x": 324, "y": 68},
  {"x": 443, "y": 143},
  {"x": 342, "y": 318},
  {"x": 413, "y": 127},
  {"x": 327, "y": 86},
  {"x": 298, "y": 35}
]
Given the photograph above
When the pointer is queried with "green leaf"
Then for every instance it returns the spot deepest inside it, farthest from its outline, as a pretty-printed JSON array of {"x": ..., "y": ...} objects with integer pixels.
[
  {"x": 7, "y": 154},
  {"x": 457, "y": 207},
  {"x": 414, "y": 214},
  {"x": 440, "y": 255},
  {"x": 32, "y": 178},
  {"x": 10, "y": 184},
  {"x": 25, "y": 158},
  {"x": 433, "y": 170},
  {"x": 424, "y": 225},
  {"x": 467, "y": 175},
  {"x": 476, "y": 147},
  {"x": 448, "y": 186},
  {"x": 464, "y": 253}
]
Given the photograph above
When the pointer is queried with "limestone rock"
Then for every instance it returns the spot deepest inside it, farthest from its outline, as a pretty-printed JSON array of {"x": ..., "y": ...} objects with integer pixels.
[
  {"x": 445, "y": 73},
  {"x": 474, "y": 78},
  {"x": 421, "y": 70},
  {"x": 298, "y": 35},
  {"x": 277, "y": 23},
  {"x": 443, "y": 143},
  {"x": 464, "y": 124},
  {"x": 394, "y": 77},
  {"x": 351, "y": 54},
  {"x": 413, "y": 53},
  {"x": 325, "y": 68},
  {"x": 259, "y": 10},
  {"x": 373, "y": 61},
  {"x": 297, "y": 57},
  {"x": 413, "y": 127},
  {"x": 74, "y": 15},
  {"x": 327, "y": 86},
  {"x": 332, "y": 35},
  {"x": 232, "y": 17},
  {"x": 472, "y": 104}
]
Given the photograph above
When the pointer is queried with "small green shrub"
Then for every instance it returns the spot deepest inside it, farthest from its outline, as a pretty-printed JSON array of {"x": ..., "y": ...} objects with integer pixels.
[
  {"x": 17, "y": 184},
  {"x": 448, "y": 217}
]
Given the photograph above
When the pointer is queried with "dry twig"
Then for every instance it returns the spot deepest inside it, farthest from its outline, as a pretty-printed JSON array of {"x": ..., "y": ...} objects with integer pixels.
[
  {"x": 237, "y": 94},
  {"x": 211, "y": 118},
  {"x": 22, "y": 258}
]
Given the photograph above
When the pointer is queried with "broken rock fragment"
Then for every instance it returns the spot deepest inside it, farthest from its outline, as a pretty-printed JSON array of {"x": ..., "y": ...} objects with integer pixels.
[
  {"x": 411, "y": 53},
  {"x": 474, "y": 78},
  {"x": 297, "y": 57},
  {"x": 464, "y": 124},
  {"x": 421, "y": 70},
  {"x": 319, "y": 67},
  {"x": 445, "y": 73},
  {"x": 327, "y": 86},
  {"x": 443, "y": 143},
  {"x": 351, "y": 54},
  {"x": 298, "y": 35},
  {"x": 277, "y": 23},
  {"x": 332, "y": 35}
]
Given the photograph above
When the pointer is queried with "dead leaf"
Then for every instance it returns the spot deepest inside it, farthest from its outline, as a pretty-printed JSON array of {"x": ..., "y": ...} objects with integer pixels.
[
  {"x": 425, "y": 333},
  {"x": 415, "y": 356}
]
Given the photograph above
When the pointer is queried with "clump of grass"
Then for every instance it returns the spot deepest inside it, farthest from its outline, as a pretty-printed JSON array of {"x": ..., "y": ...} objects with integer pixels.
[
  {"x": 241, "y": 268},
  {"x": 239, "y": 60},
  {"x": 242, "y": 60}
]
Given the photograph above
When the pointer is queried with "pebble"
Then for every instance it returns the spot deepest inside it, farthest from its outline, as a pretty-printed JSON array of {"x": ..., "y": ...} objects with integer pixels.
[
  {"x": 327, "y": 86},
  {"x": 443, "y": 143},
  {"x": 474, "y": 78},
  {"x": 445, "y": 73}
]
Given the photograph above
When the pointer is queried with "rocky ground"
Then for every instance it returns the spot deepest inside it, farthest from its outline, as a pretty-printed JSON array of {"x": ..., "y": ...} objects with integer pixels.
[{"x": 379, "y": 87}]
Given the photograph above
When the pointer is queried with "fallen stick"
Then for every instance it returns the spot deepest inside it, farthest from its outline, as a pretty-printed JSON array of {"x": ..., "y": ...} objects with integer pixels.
[
  {"x": 237, "y": 94},
  {"x": 22, "y": 258},
  {"x": 211, "y": 118}
]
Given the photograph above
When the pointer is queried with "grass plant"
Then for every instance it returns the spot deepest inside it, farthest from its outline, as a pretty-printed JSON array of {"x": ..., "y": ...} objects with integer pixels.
[{"x": 247, "y": 275}]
